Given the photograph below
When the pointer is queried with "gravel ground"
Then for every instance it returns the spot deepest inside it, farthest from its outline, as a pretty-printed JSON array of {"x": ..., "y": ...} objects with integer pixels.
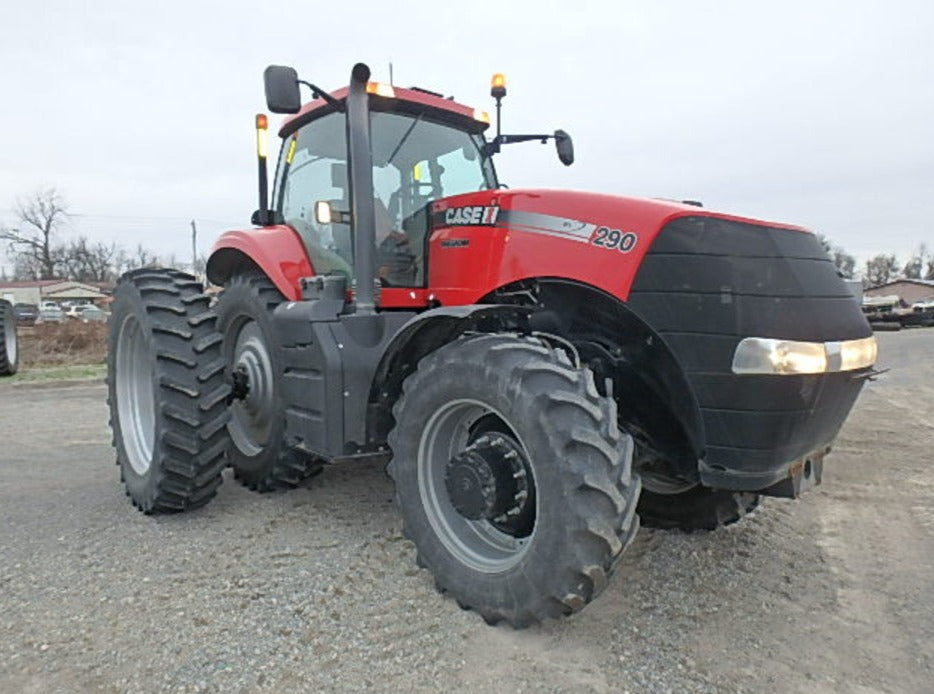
[{"x": 316, "y": 589}]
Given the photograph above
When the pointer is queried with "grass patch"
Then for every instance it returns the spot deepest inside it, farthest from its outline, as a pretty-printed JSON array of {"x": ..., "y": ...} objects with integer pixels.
[{"x": 69, "y": 372}]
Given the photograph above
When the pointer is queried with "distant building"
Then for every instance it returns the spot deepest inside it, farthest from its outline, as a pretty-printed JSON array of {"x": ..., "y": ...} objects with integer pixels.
[
  {"x": 909, "y": 291},
  {"x": 37, "y": 291}
]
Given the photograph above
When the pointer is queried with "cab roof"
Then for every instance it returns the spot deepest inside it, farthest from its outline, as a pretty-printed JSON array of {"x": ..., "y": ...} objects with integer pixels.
[{"x": 384, "y": 97}]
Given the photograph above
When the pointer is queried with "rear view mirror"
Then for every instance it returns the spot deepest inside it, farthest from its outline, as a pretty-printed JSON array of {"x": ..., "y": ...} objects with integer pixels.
[
  {"x": 282, "y": 95},
  {"x": 323, "y": 212},
  {"x": 565, "y": 146},
  {"x": 327, "y": 213}
]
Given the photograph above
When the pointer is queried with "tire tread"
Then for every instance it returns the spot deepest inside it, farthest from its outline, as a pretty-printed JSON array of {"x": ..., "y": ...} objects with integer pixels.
[
  {"x": 547, "y": 377},
  {"x": 189, "y": 454}
]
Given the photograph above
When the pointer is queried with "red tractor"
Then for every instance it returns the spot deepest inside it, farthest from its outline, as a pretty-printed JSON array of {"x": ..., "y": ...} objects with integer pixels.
[{"x": 541, "y": 368}]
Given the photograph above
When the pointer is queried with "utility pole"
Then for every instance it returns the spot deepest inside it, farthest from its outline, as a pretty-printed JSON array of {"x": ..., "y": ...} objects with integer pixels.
[{"x": 194, "y": 248}]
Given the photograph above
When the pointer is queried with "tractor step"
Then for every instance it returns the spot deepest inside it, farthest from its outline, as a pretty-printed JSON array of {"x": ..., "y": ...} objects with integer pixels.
[{"x": 330, "y": 358}]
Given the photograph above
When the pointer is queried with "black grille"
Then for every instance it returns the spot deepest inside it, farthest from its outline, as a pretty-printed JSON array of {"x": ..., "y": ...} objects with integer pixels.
[{"x": 705, "y": 284}]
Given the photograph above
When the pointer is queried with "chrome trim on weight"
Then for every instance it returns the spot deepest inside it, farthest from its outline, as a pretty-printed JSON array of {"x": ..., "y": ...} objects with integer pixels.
[{"x": 764, "y": 355}]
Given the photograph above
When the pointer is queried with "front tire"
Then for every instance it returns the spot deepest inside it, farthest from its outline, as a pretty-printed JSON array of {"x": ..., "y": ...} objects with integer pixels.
[
  {"x": 558, "y": 499},
  {"x": 695, "y": 508},
  {"x": 9, "y": 345},
  {"x": 166, "y": 391},
  {"x": 259, "y": 453}
]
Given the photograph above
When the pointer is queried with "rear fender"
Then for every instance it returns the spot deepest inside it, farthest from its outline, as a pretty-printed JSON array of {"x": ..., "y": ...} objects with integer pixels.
[{"x": 277, "y": 251}]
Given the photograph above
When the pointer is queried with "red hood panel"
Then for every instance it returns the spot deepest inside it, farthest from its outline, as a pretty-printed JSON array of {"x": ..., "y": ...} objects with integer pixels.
[{"x": 594, "y": 238}]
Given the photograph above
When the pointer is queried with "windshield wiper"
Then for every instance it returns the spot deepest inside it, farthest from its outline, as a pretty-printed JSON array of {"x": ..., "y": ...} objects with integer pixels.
[{"x": 404, "y": 138}]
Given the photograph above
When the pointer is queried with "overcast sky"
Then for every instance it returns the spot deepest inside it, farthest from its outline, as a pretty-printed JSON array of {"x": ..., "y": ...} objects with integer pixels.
[{"x": 814, "y": 113}]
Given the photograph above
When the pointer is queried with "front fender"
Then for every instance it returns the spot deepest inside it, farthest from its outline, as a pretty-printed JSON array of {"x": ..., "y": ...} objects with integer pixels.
[
  {"x": 276, "y": 250},
  {"x": 423, "y": 334}
]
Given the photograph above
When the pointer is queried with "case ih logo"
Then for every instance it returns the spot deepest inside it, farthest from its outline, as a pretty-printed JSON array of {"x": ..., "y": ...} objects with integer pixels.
[{"x": 472, "y": 215}]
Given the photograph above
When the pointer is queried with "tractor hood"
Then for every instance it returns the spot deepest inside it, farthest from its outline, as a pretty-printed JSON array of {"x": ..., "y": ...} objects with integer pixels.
[{"x": 593, "y": 238}]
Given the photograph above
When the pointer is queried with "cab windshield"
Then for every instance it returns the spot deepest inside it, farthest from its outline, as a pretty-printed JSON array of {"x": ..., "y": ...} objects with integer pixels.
[{"x": 415, "y": 161}]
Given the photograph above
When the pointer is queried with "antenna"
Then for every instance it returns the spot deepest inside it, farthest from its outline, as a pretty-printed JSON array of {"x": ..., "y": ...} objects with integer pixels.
[{"x": 391, "y": 83}]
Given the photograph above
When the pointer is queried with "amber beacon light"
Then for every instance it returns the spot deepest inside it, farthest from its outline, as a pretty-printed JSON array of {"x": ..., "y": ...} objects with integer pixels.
[{"x": 498, "y": 86}]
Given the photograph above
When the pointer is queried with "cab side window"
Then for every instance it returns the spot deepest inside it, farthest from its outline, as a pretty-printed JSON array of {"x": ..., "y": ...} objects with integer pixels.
[{"x": 313, "y": 167}]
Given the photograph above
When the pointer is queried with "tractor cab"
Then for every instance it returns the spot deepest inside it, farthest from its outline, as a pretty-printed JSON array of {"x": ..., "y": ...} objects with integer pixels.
[{"x": 424, "y": 148}]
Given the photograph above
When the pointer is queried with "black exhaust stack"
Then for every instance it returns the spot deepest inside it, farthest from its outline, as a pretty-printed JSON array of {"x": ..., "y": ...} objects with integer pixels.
[{"x": 361, "y": 190}]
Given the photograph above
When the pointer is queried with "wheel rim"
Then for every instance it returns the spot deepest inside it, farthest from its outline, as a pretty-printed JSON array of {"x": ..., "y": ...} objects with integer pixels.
[
  {"x": 9, "y": 336},
  {"x": 251, "y": 415},
  {"x": 478, "y": 544},
  {"x": 135, "y": 397}
]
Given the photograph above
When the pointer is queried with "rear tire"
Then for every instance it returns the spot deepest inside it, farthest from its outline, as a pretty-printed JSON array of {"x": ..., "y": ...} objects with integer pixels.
[
  {"x": 166, "y": 391},
  {"x": 9, "y": 342},
  {"x": 259, "y": 453},
  {"x": 556, "y": 552},
  {"x": 698, "y": 508}
]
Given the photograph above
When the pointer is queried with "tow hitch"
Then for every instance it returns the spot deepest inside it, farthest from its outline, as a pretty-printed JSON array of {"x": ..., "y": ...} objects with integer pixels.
[{"x": 803, "y": 475}]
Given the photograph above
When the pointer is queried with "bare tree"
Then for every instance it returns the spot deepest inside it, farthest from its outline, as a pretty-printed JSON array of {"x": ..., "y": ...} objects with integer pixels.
[
  {"x": 843, "y": 261},
  {"x": 881, "y": 269},
  {"x": 124, "y": 261},
  {"x": 914, "y": 268},
  {"x": 144, "y": 258},
  {"x": 846, "y": 263},
  {"x": 25, "y": 267},
  {"x": 31, "y": 243},
  {"x": 929, "y": 275},
  {"x": 85, "y": 261}
]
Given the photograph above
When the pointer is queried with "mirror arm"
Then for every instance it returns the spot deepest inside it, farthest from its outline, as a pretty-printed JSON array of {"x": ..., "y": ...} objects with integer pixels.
[
  {"x": 494, "y": 145},
  {"x": 509, "y": 139},
  {"x": 317, "y": 92}
]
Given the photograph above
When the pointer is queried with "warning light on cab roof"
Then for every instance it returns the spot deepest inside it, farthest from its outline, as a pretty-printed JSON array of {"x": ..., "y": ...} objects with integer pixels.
[
  {"x": 481, "y": 116},
  {"x": 498, "y": 86},
  {"x": 381, "y": 89}
]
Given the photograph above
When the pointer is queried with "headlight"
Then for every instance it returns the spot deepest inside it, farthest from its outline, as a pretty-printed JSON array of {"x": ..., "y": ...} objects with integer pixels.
[
  {"x": 858, "y": 354},
  {"x": 761, "y": 355}
]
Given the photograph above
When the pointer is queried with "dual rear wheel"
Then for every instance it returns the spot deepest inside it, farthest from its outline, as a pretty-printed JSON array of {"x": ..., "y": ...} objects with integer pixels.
[
  {"x": 193, "y": 388},
  {"x": 259, "y": 454},
  {"x": 166, "y": 391}
]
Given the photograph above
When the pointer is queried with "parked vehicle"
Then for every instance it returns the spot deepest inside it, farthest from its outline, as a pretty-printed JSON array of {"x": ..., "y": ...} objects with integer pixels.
[
  {"x": 51, "y": 314},
  {"x": 9, "y": 345},
  {"x": 922, "y": 312},
  {"x": 92, "y": 314},
  {"x": 26, "y": 314},
  {"x": 541, "y": 367},
  {"x": 893, "y": 313}
]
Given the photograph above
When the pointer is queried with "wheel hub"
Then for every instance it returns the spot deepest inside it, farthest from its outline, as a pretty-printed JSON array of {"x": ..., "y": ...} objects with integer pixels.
[
  {"x": 253, "y": 390},
  {"x": 488, "y": 479},
  {"x": 239, "y": 384}
]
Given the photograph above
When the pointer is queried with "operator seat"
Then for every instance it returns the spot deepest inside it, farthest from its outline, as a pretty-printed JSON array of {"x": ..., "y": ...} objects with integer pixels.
[{"x": 395, "y": 262}]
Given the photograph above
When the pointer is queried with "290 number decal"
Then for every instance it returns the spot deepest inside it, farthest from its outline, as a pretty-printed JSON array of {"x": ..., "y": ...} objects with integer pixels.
[{"x": 623, "y": 241}]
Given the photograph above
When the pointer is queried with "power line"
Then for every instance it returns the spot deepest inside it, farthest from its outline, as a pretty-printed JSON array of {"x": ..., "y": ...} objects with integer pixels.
[{"x": 140, "y": 218}]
